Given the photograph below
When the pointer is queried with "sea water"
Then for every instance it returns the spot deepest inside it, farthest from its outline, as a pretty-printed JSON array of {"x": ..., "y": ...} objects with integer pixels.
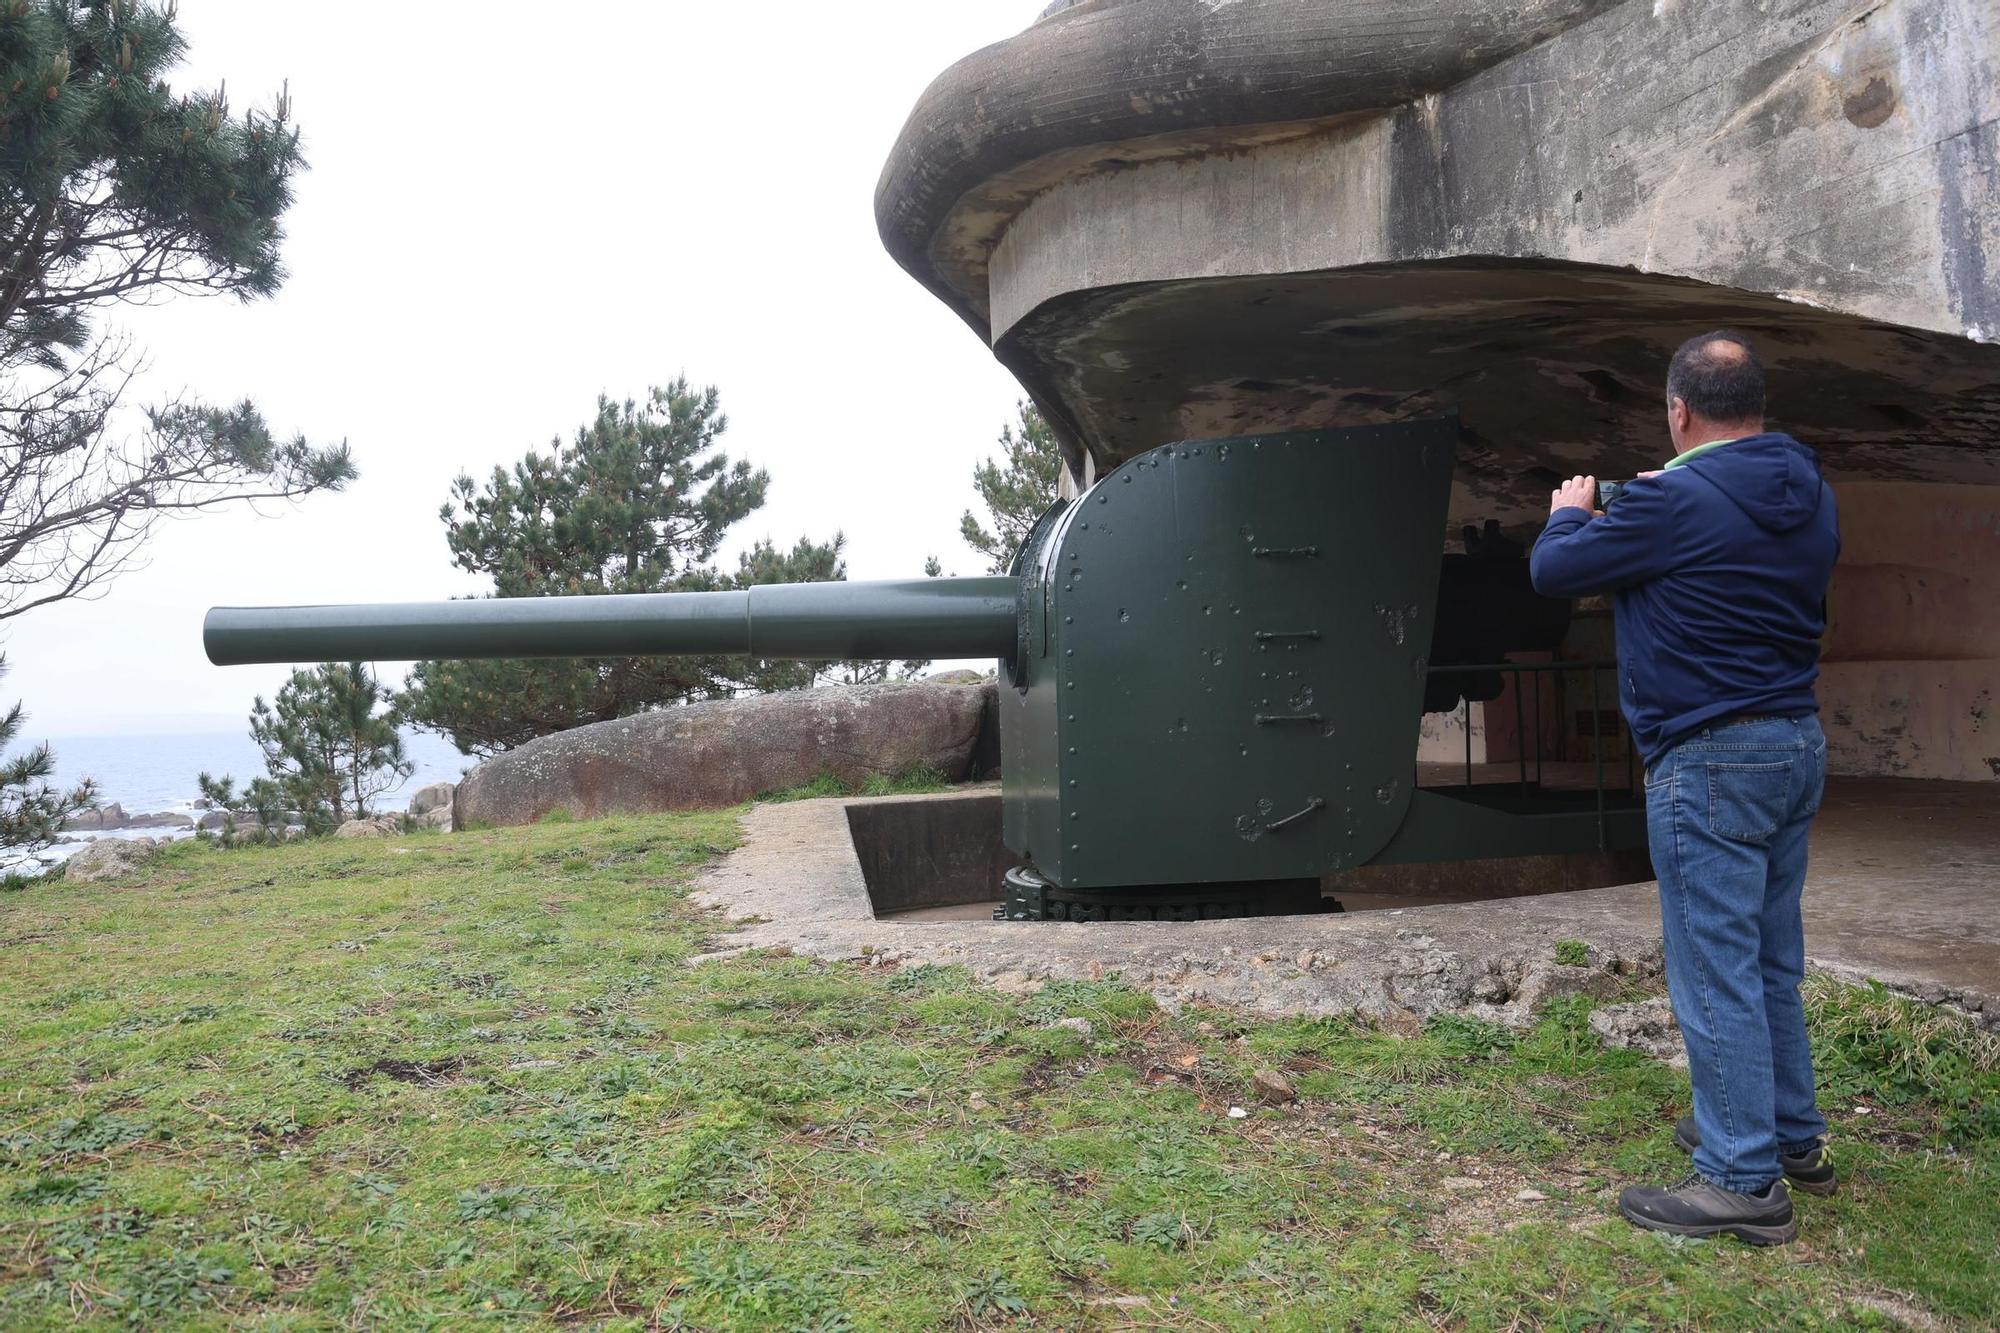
[{"x": 152, "y": 774}]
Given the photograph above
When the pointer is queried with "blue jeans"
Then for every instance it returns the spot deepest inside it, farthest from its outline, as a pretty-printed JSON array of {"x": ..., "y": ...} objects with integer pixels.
[{"x": 1727, "y": 811}]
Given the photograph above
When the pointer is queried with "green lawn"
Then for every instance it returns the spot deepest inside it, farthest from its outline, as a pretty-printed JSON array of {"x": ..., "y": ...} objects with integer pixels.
[{"x": 447, "y": 1081}]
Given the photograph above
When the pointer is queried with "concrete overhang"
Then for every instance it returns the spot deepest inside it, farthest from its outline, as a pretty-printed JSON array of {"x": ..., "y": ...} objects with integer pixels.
[{"x": 1174, "y": 218}]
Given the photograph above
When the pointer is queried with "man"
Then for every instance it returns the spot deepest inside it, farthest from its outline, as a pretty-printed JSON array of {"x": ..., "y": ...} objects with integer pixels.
[{"x": 1719, "y": 566}]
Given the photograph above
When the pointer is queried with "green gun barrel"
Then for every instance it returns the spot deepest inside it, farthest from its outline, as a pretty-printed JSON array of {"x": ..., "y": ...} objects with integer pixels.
[{"x": 970, "y": 617}]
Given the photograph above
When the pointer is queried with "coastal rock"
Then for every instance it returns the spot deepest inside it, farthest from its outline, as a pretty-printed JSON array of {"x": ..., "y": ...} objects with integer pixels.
[
  {"x": 720, "y": 752},
  {"x": 241, "y": 820},
  {"x": 110, "y": 815},
  {"x": 426, "y": 799},
  {"x": 110, "y": 858},
  {"x": 376, "y": 826}
]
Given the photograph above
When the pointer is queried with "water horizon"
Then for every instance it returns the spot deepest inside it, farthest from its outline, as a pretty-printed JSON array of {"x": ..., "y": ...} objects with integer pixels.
[{"x": 156, "y": 772}]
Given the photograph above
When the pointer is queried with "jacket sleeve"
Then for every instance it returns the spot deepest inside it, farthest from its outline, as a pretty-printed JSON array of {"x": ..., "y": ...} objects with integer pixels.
[{"x": 1577, "y": 555}]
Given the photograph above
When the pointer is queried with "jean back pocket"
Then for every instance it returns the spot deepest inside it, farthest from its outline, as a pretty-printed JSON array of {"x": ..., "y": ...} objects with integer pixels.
[{"x": 1749, "y": 802}]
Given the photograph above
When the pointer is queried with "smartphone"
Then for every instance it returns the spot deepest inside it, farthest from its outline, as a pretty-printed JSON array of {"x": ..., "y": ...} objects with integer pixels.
[{"x": 1607, "y": 491}]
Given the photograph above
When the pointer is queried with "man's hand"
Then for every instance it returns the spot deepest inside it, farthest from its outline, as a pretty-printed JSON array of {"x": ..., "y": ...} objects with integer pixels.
[{"x": 1576, "y": 493}]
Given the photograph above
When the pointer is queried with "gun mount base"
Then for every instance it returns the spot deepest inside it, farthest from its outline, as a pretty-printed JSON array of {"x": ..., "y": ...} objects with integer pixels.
[{"x": 1029, "y": 897}]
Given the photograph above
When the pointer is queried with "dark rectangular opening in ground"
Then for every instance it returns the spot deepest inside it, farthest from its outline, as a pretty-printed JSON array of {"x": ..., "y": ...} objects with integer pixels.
[
  {"x": 931, "y": 856},
  {"x": 941, "y": 858}
]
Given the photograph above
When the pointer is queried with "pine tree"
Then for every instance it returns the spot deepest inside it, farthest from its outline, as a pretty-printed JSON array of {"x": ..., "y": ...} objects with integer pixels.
[
  {"x": 327, "y": 752},
  {"x": 118, "y": 191},
  {"x": 32, "y": 812},
  {"x": 641, "y": 501},
  {"x": 1016, "y": 489}
]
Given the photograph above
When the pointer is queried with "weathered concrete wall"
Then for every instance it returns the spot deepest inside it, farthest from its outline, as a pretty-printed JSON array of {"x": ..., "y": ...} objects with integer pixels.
[
  {"x": 1836, "y": 153},
  {"x": 1010, "y": 120},
  {"x": 1913, "y": 639}
]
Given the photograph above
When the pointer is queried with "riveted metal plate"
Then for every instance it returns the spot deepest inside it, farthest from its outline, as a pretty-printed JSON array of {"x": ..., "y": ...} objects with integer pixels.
[{"x": 1235, "y": 653}]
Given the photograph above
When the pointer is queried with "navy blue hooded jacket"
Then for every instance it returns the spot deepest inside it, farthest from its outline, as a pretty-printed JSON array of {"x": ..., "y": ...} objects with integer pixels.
[{"x": 1719, "y": 566}]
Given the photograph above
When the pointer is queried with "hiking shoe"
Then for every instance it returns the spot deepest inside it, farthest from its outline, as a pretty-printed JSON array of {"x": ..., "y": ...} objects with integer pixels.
[
  {"x": 1810, "y": 1170},
  {"x": 1697, "y": 1208}
]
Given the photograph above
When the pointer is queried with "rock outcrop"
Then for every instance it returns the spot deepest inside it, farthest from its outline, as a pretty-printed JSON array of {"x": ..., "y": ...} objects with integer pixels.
[
  {"x": 115, "y": 816},
  {"x": 110, "y": 815},
  {"x": 110, "y": 858},
  {"x": 1647, "y": 1026},
  {"x": 376, "y": 826},
  {"x": 431, "y": 807},
  {"x": 717, "y": 753}
]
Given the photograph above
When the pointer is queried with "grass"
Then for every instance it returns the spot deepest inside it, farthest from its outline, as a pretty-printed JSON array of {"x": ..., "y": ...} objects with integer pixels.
[
  {"x": 449, "y": 1081},
  {"x": 1572, "y": 953},
  {"x": 913, "y": 782}
]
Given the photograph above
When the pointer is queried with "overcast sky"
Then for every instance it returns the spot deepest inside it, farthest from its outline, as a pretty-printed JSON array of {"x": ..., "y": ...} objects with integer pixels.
[{"x": 511, "y": 209}]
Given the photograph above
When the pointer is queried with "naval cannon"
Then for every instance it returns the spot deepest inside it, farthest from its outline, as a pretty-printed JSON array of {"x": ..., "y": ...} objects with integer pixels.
[{"x": 1213, "y": 668}]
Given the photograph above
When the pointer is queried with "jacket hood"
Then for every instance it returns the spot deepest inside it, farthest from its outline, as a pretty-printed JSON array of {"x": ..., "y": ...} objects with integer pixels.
[{"x": 1771, "y": 477}]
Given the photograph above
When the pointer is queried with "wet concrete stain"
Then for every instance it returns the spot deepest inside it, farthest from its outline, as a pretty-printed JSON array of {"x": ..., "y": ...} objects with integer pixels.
[{"x": 1871, "y": 105}]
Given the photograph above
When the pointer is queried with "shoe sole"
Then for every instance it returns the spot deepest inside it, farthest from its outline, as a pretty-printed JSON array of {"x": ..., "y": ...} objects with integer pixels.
[
  {"x": 1746, "y": 1232},
  {"x": 1825, "y": 1189}
]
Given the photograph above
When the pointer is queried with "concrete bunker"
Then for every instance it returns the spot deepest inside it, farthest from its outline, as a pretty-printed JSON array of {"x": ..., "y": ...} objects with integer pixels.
[
  {"x": 1180, "y": 221},
  {"x": 1177, "y": 221}
]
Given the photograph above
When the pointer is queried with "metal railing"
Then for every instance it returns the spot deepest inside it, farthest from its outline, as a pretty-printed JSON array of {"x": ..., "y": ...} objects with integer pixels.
[{"x": 1515, "y": 672}]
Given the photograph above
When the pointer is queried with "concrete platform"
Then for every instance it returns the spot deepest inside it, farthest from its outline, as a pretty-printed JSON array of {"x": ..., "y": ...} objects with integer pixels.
[{"x": 1904, "y": 889}]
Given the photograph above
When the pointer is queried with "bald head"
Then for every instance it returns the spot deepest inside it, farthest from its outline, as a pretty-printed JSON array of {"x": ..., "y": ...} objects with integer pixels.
[
  {"x": 1715, "y": 390},
  {"x": 1719, "y": 377}
]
